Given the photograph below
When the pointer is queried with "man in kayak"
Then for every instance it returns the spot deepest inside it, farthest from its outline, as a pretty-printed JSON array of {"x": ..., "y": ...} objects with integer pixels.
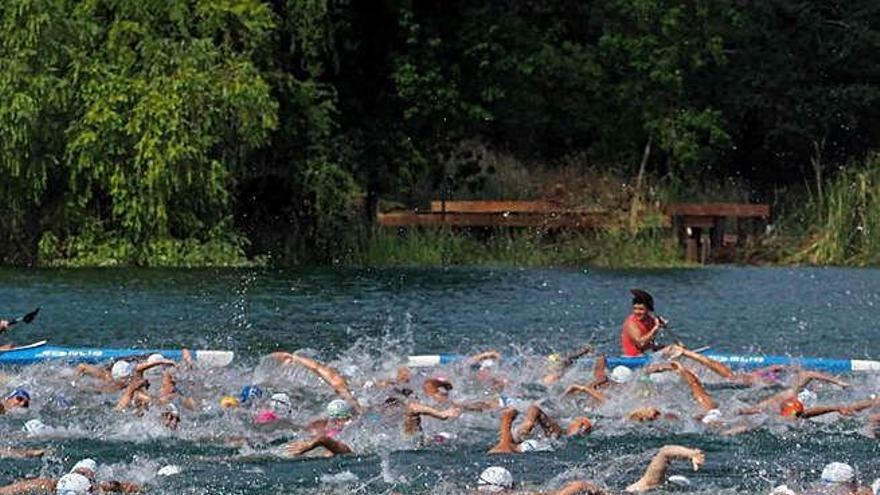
[{"x": 640, "y": 328}]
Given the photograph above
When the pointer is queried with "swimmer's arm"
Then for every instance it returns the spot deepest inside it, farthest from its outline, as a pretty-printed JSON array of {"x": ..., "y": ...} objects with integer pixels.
[
  {"x": 128, "y": 395},
  {"x": 805, "y": 377},
  {"x": 570, "y": 359},
  {"x": 697, "y": 390},
  {"x": 580, "y": 488},
  {"x": 655, "y": 474},
  {"x": 36, "y": 485},
  {"x": 492, "y": 354},
  {"x": 719, "y": 368},
  {"x": 11, "y": 452},
  {"x": 599, "y": 370},
  {"x": 119, "y": 487},
  {"x": 506, "y": 443},
  {"x": 93, "y": 371},
  {"x": 142, "y": 367},
  {"x": 187, "y": 357},
  {"x": 477, "y": 406},
  {"x": 329, "y": 375},
  {"x": 643, "y": 414},
  {"x": 587, "y": 389},
  {"x": 858, "y": 406},
  {"x": 419, "y": 409},
  {"x": 536, "y": 415},
  {"x": 335, "y": 447},
  {"x": 812, "y": 412}
]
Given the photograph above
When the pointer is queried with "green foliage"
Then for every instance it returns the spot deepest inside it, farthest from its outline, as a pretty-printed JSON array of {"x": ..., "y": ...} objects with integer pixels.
[
  {"x": 160, "y": 131},
  {"x": 846, "y": 222}
]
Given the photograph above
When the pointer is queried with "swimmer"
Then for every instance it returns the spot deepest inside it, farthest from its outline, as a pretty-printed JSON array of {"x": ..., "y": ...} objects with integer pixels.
[
  {"x": 837, "y": 478},
  {"x": 601, "y": 380},
  {"x": 79, "y": 481},
  {"x": 437, "y": 388},
  {"x": 169, "y": 392},
  {"x": 412, "y": 422},
  {"x": 329, "y": 375},
  {"x": 655, "y": 474},
  {"x": 170, "y": 417},
  {"x": 17, "y": 399},
  {"x": 560, "y": 364},
  {"x": 338, "y": 415},
  {"x": 496, "y": 479},
  {"x": 510, "y": 444},
  {"x": 767, "y": 375},
  {"x": 117, "y": 376},
  {"x": 803, "y": 379},
  {"x": 641, "y": 327},
  {"x": 698, "y": 391},
  {"x": 481, "y": 364}
]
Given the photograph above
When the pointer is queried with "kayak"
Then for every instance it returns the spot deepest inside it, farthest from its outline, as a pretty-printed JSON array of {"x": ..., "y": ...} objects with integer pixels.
[
  {"x": 41, "y": 351},
  {"x": 735, "y": 361}
]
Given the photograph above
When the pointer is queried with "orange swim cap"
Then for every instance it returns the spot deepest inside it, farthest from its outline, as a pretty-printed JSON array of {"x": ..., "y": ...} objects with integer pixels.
[{"x": 791, "y": 407}]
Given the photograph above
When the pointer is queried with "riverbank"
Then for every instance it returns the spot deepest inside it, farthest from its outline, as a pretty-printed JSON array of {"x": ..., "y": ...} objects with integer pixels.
[{"x": 835, "y": 224}]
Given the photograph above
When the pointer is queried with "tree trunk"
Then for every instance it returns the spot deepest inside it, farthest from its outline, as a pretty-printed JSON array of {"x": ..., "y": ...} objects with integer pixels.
[{"x": 636, "y": 205}]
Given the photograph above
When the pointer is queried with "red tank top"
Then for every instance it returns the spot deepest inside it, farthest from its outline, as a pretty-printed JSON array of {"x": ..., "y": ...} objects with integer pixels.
[{"x": 627, "y": 344}]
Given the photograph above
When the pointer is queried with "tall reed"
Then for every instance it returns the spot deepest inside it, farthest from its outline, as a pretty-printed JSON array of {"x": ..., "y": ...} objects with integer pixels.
[{"x": 845, "y": 221}]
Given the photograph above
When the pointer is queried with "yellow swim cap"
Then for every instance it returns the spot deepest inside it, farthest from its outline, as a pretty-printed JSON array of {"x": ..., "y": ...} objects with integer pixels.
[
  {"x": 228, "y": 401},
  {"x": 554, "y": 358}
]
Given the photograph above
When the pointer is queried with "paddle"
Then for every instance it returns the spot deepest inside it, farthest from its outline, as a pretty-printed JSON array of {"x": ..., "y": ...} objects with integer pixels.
[{"x": 24, "y": 318}]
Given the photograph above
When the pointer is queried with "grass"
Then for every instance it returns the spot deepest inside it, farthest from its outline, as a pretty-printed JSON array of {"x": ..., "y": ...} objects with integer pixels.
[
  {"x": 845, "y": 219},
  {"x": 612, "y": 248}
]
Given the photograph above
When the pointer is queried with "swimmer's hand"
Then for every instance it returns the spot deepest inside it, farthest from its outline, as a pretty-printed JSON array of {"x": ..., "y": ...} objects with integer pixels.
[
  {"x": 698, "y": 458},
  {"x": 4, "y": 324},
  {"x": 673, "y": 351}
]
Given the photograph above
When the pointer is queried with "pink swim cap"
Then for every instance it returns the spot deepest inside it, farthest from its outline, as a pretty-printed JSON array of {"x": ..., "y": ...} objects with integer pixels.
[{"x": 265, "y": 417}]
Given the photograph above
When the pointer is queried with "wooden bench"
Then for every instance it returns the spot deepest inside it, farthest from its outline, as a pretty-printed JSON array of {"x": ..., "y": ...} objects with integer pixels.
[
  {"x": 700, "y": 226},
  {"x": 497, "y": 213}
]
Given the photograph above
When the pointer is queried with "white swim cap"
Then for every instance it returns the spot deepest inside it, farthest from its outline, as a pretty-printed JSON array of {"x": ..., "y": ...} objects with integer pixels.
[
  {"x": 89, "y": 464},
  {"x": 121, "y": 369},
  {"x": 713, "y": 416},
  {"x": 280, "y": 401},
  {"x": 338, "y": 409},
  {"x": 495, "y": 479},
  {"x": 171, "y": 409},
  {"x": 679, "y": 480},
  {"x": 532, "y": 445},
  {"x": 620, "y": 374},
  {"x": 169, "y": 470},
  {"x": 782, "y": 490},
  {"x": 35, "y": 427},
  {"x": 838, "y": 472},
  {"x": 807, "y": 398},
  {"x": 73, "y": 484},
  {"x": 155, "y": 358}
]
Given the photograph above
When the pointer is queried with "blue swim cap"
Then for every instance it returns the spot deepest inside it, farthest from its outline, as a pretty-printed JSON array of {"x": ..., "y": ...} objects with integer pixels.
[
  {"x": 250, "y": 392},
  {"x": 19, "y": 392}
]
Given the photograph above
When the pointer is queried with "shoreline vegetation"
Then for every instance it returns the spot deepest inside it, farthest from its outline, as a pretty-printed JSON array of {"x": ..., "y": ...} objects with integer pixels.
[
  {"x": 838, "y": 224},
  {"x": 270, "y": 133}
]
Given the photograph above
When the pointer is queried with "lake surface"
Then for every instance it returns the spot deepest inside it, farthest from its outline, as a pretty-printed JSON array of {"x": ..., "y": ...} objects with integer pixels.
[{"x": 366, "y": 321}]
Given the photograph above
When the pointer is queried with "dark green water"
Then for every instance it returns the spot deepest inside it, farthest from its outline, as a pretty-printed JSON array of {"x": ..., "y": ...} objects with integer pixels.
[{"x": 373, "y": 318}]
